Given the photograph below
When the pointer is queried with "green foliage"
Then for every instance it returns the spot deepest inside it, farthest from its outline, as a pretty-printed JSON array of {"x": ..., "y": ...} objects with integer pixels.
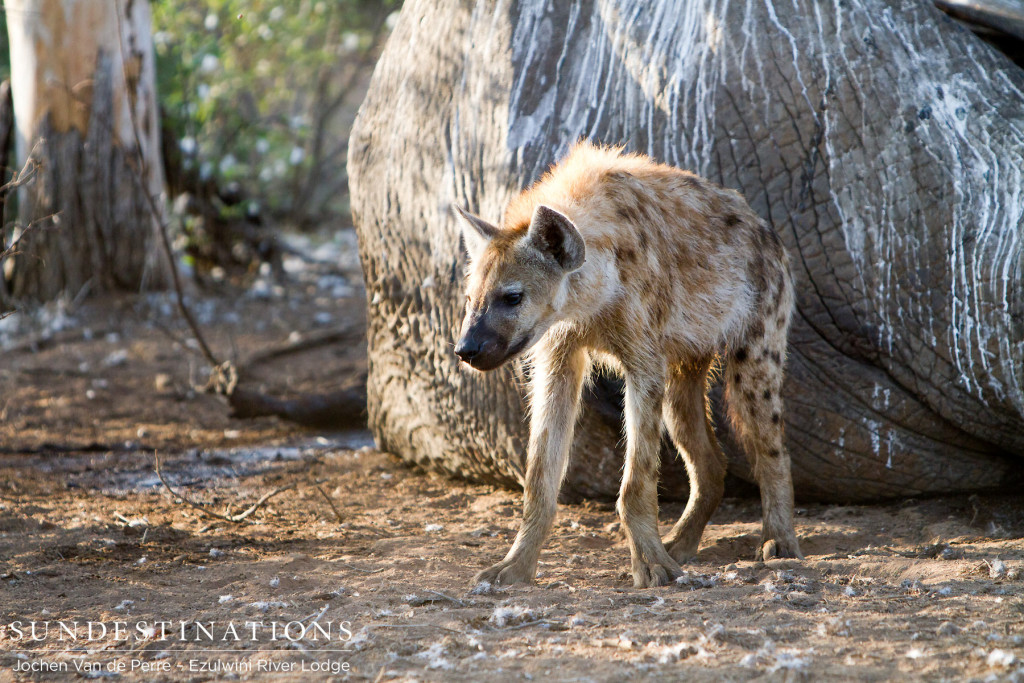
[
  {"x": 260, "y": 92},
  {"x": 5, "y": 48}
]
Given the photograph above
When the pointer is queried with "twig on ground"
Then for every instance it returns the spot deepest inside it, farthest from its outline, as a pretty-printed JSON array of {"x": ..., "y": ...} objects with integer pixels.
[
  {"x": 525, "y": 624},
  {"x": 443, "y": 628},
  {"x": 234, "y": 519},
  {"x": 358, "y": 569},
  {"x": 330, "y": 502},
  {"x": 439, "y": 594},
  {"x": 325, "y": 339},
  {"x": 316, "y": 618}
]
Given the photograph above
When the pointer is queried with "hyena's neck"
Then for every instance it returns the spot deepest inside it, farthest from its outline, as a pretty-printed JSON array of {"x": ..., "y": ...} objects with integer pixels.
[{"x": 589, "y": 291}]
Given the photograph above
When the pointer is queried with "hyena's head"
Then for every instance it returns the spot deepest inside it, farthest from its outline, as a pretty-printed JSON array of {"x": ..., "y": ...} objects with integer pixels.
[{"x": 515, "y": 290}]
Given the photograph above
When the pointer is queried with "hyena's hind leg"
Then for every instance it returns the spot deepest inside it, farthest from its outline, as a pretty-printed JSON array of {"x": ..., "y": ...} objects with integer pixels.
[
  {"x": 754, "y": 384},
  {"x": 684, "y": 410}
]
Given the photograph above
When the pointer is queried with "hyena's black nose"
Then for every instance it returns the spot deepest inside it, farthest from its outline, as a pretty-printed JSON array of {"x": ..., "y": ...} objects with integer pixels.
[{"x": 467, "y": 349}]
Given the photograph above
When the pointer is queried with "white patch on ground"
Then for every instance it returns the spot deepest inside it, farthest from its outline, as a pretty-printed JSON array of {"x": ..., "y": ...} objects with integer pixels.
[
  {"x": 265, "y": 605},
  {"x": 510, "y": 614},
  {"x": 435, "y": 657},
  {"x": 1000, "y": 658}
]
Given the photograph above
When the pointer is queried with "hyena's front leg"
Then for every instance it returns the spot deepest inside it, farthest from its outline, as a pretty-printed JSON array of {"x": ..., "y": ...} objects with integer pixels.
[
  {"x": 555, "y": 395},
  {"x": 638, "y": 496}
]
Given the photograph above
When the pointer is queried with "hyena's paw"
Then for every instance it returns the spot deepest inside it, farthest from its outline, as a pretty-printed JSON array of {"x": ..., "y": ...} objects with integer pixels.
[
  {"x": 661, "y": 572},
  {"x": 779, "y": 547},
  {"x": 682, "y": 551},
  {"x": 506, "y": 573}
]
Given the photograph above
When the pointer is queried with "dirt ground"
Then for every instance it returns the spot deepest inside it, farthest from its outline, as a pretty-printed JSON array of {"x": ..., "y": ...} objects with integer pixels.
[{"x": 361, "y": 569}]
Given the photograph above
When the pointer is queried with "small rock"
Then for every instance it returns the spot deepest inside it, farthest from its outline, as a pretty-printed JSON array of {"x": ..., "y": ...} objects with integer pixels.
[
  {"x": 997, "y": 569},
  {"x": 1000, "y": 658},
  {"x": 116, "y": 358},
  {"x": 948, "y": 628}
]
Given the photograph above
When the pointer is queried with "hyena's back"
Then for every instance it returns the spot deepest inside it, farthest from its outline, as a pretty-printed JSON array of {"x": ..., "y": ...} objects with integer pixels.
[{"x": 696, "y": 269}]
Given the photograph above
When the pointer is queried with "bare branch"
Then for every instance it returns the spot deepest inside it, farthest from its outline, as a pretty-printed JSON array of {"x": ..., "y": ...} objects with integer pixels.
[
  {"x": 331, "y": 503},
  {"x": 234, "y": 519},
  {"x": 161, "y": 225}
]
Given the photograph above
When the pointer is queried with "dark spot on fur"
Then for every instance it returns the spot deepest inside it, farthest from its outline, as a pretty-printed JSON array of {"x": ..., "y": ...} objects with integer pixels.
[
  {"x": 660, "y": 309},
  {"x": 750, "y": 396},
  {"x": 736, "y": 379},
  {"x": 757, "y": 329},
  {"x": 757, "y": 275},
  {"x": 732, "y": 220},
  {"x": 691, "y": 181},
  {"x": 645, "y": 242},
  {"x": 767, "y": 395},
  {"x": 782, "y": 321},
  {"x": 774, "y": 453},
  {"x": 630, "y": 214},
  {"x": 777, "y": 357},
  {"x": 741, "y": 354},
  {"x": 775, "y": 418},
  {"x": 625, "y": 254}
]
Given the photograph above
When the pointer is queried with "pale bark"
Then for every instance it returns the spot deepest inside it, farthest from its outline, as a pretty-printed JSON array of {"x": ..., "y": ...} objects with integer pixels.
[
  {"x": 883, "y": 141},
  {"x": 83, "y": 82}
]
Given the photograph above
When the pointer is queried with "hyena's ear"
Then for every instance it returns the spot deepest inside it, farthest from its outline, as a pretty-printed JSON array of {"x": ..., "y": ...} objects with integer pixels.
[
  {"x": 476, "y": 232},
  {"x": 554, "y": 235}
]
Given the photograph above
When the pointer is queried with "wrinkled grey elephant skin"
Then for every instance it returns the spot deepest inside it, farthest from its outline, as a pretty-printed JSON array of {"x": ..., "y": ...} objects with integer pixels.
[{"x": 882, "y": 141}]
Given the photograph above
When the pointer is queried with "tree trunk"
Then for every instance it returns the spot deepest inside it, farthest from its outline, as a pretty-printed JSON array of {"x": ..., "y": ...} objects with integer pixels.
[
  {"x": 83, "y": 83},
  {"x": 883, "y": 141}
]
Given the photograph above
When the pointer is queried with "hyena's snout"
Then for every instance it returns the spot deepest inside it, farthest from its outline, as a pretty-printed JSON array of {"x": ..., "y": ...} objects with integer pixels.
[
  {"x": 482, "y": 347},
  {"x": 470, "y": 348}
]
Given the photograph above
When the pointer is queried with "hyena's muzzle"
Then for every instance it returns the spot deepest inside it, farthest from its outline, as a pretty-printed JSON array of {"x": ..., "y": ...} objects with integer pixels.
[{"x": 484, "y": 347}]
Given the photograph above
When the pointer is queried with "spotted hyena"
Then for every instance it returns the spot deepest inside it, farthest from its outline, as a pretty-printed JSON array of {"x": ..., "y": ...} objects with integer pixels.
[{"x": 614, "y": 260}]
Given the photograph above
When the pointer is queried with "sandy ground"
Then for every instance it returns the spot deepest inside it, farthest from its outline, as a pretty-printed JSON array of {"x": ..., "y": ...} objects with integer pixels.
[{"x": 361, "y": 569}]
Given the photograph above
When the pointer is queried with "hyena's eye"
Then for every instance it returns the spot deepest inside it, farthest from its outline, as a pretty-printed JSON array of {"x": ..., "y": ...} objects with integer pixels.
[{"x": 512, "y": 298}]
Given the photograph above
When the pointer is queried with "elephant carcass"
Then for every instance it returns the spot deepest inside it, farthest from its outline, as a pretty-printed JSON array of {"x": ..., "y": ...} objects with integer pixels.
[{"x": 883, "y": 141}]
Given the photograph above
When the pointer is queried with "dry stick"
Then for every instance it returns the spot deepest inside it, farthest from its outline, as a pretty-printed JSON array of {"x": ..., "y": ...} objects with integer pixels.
[
  {"x": 331, "y": 503},
  {"x": 447, "y": 597},
  {"x": 157, "y": 215},
  {"x": 234, "y": 519},
  {"x": 360, "y": 569},
  {"x": 28, "y": 172},
  {"x": 307, "y": 344}
]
